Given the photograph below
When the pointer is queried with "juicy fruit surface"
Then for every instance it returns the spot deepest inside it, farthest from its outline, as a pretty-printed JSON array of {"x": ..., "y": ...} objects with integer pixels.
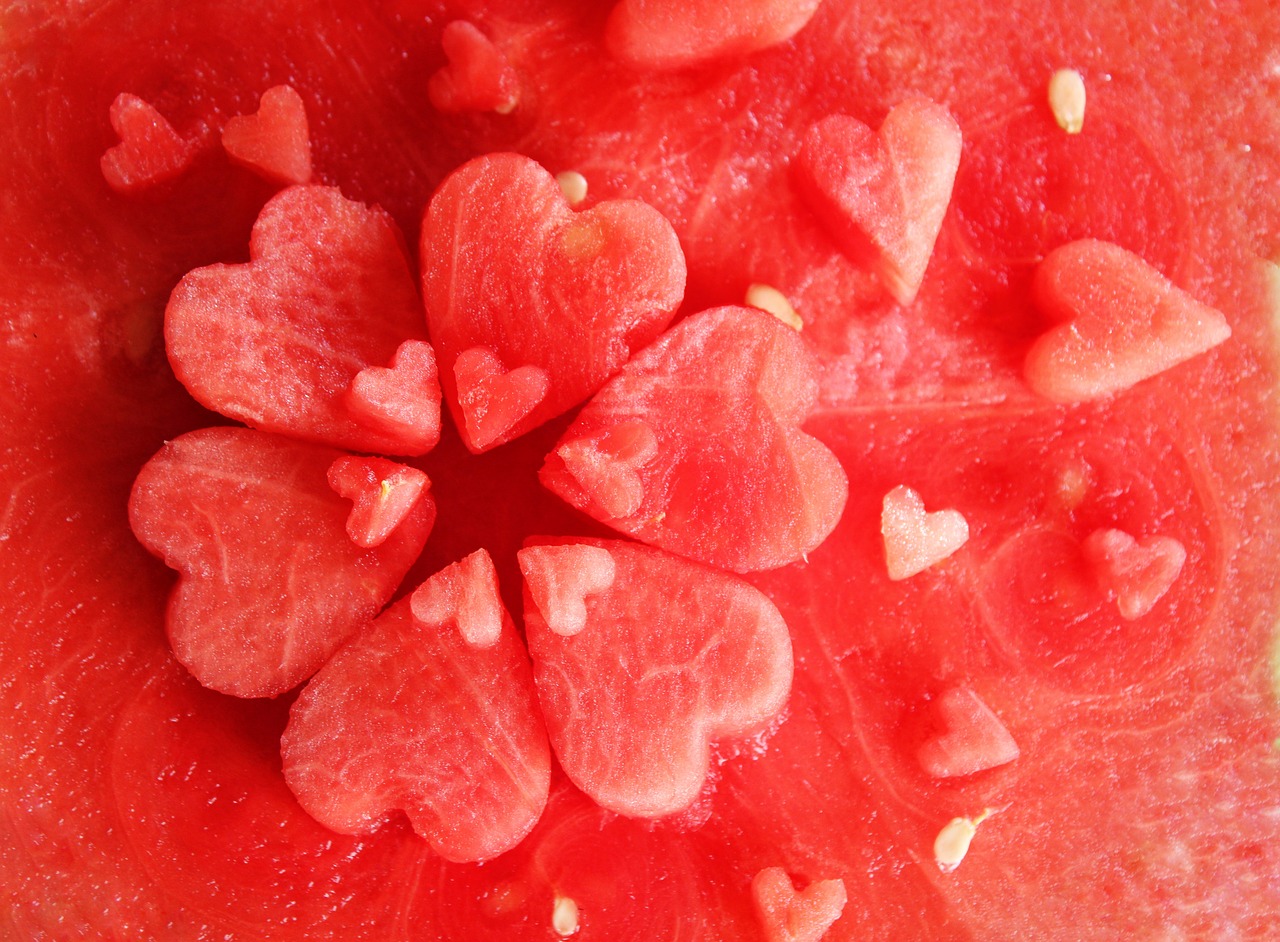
[{"x": 140, "y": 804}]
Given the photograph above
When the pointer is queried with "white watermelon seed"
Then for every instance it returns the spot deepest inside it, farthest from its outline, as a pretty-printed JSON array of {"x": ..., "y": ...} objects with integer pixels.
[
  {"x": 564, "y": 916},
  {"x": 770, "y": 299},
  {"x": 573, "y": 185},
  {"x": 952, "y": 843},
  {"x": 1066, "y": 98}
]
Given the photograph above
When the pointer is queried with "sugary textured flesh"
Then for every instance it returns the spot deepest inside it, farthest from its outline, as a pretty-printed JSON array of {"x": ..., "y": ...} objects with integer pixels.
[
  {"x": 273, "y": 141},
  {"x": 270, "y": 582},
  {"x": 696, "y": 446},
  {"x": 411, "y": 715},
  {"x": 672, "y": 656},
  {"x": 138, "y": 804}
]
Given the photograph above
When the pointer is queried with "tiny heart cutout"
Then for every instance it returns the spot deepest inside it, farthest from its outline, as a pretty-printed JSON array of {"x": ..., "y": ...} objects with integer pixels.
[
  {"x": 492, "y": 399},
  {"x": 1137, "y": 574},
  {"x": 478, "y": 76},
  {"x": 608, "y": 467},
  {"x": 409, "y": 716},
  {"x": 1122, "y": 322},
  {"x": 274, "y": 142},
  {"x": 401, "y": 401},
  {"x": 882, "y": 197},
  {"x": 276, "y": 343},
  {"x": 788, "y": 916},
  {"x": 269, "y": 582},
  {"x": 560, "y": 579},
  {"x": 673, "y": 656},
  {"x": 673, "y": 34},
  {"x": 698, "y": 443},
  {"x": 915, "y": 540},
  {"x": 973, "y": 738},
  {"x": 383, "y": 494},
  {"x": 150, "y": 151},
  {"x": 464, "y": 594},
  {"x": 510, "y": 267}
]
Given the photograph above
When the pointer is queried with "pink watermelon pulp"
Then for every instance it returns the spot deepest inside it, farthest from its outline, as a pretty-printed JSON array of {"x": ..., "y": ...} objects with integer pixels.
[{"x": 1143, "y": 799}]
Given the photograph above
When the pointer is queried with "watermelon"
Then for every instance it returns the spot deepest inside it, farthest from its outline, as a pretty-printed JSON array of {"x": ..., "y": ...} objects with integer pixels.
[{"x": 1064, "y": 726}]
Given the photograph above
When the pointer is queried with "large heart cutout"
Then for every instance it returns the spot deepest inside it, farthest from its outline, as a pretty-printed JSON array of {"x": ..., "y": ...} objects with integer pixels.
[
  {"x": 671, "y": 656},
  {"x": 882, "y": 196},
  {"x": 150, "y": 151},
  {"x": 786, "y": 915},
  {"x": 276, "y": 343},
  {"x": 508, "y": 266},
  {"x": 971, "y": 739},
  {"x": 270, "y": 583},
  {"x": 477, "y": 76},
  {"x": 1136, "y": 573},
  {"x": 1121, "y": 322},
  {"x": 696, "y": 446},
  {"x": 915, "y": 539},
  {"x": 411, "y": 716},
  {"x": 673, "y": 34},
  {"x": 274, "y": 141}
]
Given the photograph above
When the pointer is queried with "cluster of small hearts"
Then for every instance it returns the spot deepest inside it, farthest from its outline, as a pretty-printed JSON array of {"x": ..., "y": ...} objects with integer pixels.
[{"x": 690, "y": 441}]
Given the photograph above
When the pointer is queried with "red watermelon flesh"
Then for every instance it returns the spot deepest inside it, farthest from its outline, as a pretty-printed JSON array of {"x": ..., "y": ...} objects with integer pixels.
[{"x": 1142, "y": 801}]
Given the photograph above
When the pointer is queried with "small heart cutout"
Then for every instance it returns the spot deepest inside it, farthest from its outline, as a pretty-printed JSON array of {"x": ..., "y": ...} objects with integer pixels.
[
  {"x": 973, "y": 738},
  {"x": 477, "y": 77},
  {"x": 915, "y": 540},
  {"x": 464, "y": 594},
  {"x": 729, "y": 479},
  {"x": 509, "y": 267},
  {"x": 674, "y": 34},
  {"x": 672, "y": 656},
  {"x": 560, "y": 579},
  {"x": 492, "y": 399},
  {"x": 274, "y": 142},
  {"x": 1136, "y": 573},
  {"x": 150, "y": 151},
  {"x": 882, "y": 197},
  {"x": 410, "y": 716},
  {"x": 786, "y": 915},
  {"x": 1122, "y": 322},
  {"x": 276, "y": 343},
  {"x": 269, "y": 582},
  {"x": 608, "y": 467},
  {"x": 383, "y": 494},
  {"x": 401, "y": 401}
]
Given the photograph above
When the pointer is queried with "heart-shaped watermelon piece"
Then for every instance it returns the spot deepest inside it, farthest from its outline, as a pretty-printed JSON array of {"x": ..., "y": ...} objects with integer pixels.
[
  {"x": 477, "y": 76},
  {"x": 276, "y": 343},
  {"x": 789, "y": 915},
  {"x": 414, "y": 716},
  {"x": 669, "y": 657},
  {"x": 696, "y": 446},
  {"x": 270, "y": 584},
  {"x": 274, "y": 141},
  {"x": 150, "y": 151},
  {"x": 509, "y": 267}
]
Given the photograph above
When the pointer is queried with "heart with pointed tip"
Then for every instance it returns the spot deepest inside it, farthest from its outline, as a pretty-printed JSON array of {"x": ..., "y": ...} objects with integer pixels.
[
  {"x": 270, "y": 582},
  {"x": 788, "y": 915},
  {"x": 706, "y": 426},
  {"x": 276, "y": 342},
  {"x": 402, "y": 400},
  {"x": 1137, "y": 573},
  {"x": 1121, "y": 322},
  {"x": 492, "y": 399},
  {"x": 915, "y": 539},
  {"x": 150, "y": 151},
  {"x": 508, "y": 266},
  {"x": 477, "y": 76},
  {"x": 672, "y": 656},
  {"x": 382, "y": 494},
  {"x": 274, "y": 142},
  {"x": 972, "y": 738},
  {"x": 882, "y": 196},
  {"x": 412, "y": 716}
]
